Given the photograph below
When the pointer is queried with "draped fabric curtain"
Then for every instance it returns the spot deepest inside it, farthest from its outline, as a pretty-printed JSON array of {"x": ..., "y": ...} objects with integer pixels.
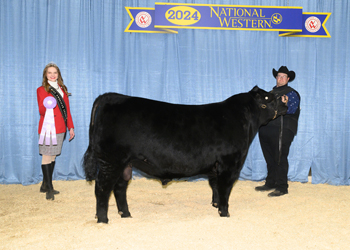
[{"x": 86, "y": 39}]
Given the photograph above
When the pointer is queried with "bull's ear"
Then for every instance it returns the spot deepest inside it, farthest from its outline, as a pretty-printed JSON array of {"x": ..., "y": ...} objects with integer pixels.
[{"x": 255, "y": 89}]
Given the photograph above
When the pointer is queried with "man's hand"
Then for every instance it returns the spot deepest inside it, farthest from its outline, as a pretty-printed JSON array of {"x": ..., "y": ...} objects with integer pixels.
[{"x": 285, "y": 99}]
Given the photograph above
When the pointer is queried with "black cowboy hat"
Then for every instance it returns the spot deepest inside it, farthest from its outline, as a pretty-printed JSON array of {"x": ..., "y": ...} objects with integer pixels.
[{"x": 284, "y": 69}]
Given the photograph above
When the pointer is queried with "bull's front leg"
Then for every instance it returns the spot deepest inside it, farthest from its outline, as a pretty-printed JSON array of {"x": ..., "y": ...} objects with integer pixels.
[{"x": 103, "y": 189}]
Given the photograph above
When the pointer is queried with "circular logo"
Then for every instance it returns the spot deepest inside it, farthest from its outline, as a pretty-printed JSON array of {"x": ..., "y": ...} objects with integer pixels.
[
  {"x": 276, "y": 18},
  {"x": 312, "y": 24},
  {"x": 143, "y": 19}
]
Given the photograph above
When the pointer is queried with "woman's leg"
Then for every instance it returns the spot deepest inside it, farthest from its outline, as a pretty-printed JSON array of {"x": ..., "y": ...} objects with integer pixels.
[
  {"x": 53, "y": 162},
  {"x": 47, "y": 159},
  {"x": 47, "y": 177}
]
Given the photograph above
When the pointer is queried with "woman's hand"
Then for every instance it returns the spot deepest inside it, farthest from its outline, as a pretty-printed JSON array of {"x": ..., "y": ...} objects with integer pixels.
[{"x": 71, "y": 134}]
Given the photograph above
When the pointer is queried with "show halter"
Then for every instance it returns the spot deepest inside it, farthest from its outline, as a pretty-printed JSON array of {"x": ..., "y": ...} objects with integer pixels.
[{"x": 49, "y": 122}]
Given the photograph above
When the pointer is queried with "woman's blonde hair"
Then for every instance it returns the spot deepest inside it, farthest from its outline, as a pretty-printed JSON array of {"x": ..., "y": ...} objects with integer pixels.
[{"x": 59, "y": 79}]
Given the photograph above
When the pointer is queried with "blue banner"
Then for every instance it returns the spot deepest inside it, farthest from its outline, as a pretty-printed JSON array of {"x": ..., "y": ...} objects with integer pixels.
[
  {"x": 142, "y": 20},
  {"x": 228, "y": 17},
  {"x": 168, "y": 17},
  {"x": 313, "y": 26}
]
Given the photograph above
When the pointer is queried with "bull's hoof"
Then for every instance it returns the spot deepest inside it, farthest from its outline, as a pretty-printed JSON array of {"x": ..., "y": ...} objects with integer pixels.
[
  {"x": 124, "y": 215},
  {"x": 165, "y": 181},
  {"x": 224, "y": 214},
  {"x": 214, "y": 204},
  {"x": 102, "y": 220}
]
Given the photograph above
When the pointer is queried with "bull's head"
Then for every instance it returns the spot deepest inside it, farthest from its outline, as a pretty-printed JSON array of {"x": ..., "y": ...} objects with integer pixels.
[{"x": 270, "y": 107}]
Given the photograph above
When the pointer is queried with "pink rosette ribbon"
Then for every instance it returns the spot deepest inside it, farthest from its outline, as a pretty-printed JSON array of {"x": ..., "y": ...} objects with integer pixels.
[{"x": 49, "y": 122}]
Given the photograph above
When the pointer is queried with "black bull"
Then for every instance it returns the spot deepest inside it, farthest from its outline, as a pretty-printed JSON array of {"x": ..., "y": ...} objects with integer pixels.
[{"x": 170, "y": 141}]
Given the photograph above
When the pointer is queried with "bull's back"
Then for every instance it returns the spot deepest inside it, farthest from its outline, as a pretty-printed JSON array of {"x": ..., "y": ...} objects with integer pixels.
[
  {"x": 171, "y": 138},
  {"x": 139, "y": 117}
]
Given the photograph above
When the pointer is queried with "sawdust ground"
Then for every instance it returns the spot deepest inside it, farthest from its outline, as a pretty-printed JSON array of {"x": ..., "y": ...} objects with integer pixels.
[{"x": 176, "y": 217}]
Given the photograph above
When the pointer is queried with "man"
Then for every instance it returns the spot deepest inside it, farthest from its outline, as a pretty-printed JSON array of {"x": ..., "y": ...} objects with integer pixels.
[{"x": 277, "y": 136}]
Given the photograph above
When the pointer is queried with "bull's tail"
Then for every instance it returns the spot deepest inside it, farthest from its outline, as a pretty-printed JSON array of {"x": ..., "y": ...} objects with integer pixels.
[
  {"x": 90, "y": 165},
  {"x": 90, "y": 161}
]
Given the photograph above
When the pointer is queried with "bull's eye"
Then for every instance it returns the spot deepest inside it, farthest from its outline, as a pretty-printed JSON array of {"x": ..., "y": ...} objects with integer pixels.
[
  {"x": 266, "y": 98},
  {"x": 263, "y": 106}
]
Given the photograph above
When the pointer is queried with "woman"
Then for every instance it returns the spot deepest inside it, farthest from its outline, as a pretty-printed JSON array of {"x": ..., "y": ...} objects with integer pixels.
[{"x": 61, "y": 119}]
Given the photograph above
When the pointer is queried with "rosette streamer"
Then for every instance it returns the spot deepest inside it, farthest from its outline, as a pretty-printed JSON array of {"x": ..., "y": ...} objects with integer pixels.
[{"x": 49, "y": 122}]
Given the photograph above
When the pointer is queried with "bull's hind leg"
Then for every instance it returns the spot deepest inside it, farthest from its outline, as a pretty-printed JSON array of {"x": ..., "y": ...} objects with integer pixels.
[
  {"x": 120, "y": 193},
  {"x": 213, "y": 182},
  {"x": 103, "y": 189},
  {"x": 224, "y": 189},
  {"x": 226, "y": 179}
]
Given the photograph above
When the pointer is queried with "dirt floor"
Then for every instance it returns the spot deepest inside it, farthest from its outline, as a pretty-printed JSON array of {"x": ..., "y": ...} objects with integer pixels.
[{"x": 179, "y": 216}]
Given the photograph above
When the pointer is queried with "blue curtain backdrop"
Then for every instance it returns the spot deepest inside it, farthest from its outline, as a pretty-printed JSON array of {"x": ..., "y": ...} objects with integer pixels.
[{"x": 87, "y": 41}]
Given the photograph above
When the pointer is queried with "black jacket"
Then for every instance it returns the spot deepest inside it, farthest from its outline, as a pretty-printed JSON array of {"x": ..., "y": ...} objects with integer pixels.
[{"x": 290, "y": 121}]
